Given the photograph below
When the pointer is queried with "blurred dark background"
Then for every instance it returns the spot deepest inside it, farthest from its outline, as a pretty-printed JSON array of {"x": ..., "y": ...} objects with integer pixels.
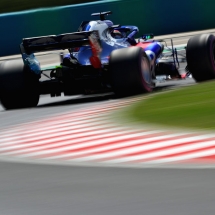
[
  {"x": 159, "y": 18},
  {"x": 19, "y": 5}
]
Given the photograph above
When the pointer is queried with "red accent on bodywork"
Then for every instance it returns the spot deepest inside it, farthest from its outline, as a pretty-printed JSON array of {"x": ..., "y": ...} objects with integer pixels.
[
  {"x": 144, "y": 44},
  {"x": 95, "y": 62},
  {"x": 76, "y": 49},
  {"x": 96, "y": 50}
]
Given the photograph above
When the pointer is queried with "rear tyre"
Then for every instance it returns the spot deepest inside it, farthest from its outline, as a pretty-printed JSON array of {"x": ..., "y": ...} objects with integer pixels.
[
  {"x": 200, "y": 55},
  {"x": 130, "y": 71},
  {"x": 19, "y": 88}
]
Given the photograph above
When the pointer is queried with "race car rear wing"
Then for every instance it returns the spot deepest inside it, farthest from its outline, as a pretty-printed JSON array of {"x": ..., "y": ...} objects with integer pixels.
[{"x": 56, "y": 42}]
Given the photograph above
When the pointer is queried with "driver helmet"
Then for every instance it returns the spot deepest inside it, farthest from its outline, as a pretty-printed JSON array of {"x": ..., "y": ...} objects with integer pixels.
[{"x": 116, "y": 34}]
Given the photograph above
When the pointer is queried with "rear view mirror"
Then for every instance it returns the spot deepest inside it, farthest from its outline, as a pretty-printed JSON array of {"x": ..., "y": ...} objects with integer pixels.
[{"x": 147, "y": 36}]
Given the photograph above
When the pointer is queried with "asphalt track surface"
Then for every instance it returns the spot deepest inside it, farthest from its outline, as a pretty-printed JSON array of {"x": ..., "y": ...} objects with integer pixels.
[
  {"x": 27, "y": 188},
  {"x": 62, "y": 190}
]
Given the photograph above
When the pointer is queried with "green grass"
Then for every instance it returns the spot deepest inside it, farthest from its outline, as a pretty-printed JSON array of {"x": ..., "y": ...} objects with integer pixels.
[
  {"x": 19, "y": 5},
  {"x": 192, "y": 107}
]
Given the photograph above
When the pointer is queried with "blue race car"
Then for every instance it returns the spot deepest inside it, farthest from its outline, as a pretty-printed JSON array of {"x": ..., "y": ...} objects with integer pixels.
[{"x": 102, "y": 57}]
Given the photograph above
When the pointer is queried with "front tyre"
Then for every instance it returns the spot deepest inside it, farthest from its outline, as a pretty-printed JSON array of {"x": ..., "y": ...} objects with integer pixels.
[
  {"x": 19, "y": 88},
  {"x": 130, "y": 71},
  {"x": 200, "y": 55}
]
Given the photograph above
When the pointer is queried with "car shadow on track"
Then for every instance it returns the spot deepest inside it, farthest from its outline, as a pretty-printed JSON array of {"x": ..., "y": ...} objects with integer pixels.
[
  {"x": 79, "y": 100},
  {"x": 91, "y": 98}
]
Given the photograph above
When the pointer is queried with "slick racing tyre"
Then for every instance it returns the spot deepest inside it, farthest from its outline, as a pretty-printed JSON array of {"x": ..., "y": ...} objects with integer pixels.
[
  {"x": 19, "y": 88},
  {"x": 200, "y": 55},
  {"x": 130, "y": 71}
]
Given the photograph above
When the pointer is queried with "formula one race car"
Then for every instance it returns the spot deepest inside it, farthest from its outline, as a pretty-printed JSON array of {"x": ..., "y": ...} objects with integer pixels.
[{"x": 102, "y": 57}]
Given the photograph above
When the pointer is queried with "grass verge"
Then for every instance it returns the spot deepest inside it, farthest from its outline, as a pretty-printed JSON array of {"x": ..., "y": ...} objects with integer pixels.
[{"x": 191, "y": 107}]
